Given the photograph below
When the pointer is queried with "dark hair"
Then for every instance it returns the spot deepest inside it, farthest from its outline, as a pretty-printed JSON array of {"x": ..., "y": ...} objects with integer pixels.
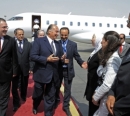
[
  {"x": 15, "y": 31},
  {"x": 113, "y": 39},
  {"x": 1, "y": 19},
  {"x": 123, "y": 35},
  {"x": 65, "y": 28}
]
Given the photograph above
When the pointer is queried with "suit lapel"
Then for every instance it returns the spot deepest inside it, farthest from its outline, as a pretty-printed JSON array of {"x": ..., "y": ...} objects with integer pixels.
[
  {"x": 47, "y": 44},
  {"x": 24, "y": 45},
  {"x": 124, "y": 50},
  {"x": 68, "y": 47},
  {"x": 126, "y": 58}
]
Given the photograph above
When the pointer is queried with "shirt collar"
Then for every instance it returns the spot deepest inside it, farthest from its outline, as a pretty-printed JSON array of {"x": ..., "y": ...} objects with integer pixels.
[
  {"x": 123, "y": 43},
  {"x": 2, "y": 38},
  {"x": 49, "y": 39},
  {"x": 18, "y": 41},
  {"x": 64, "y": 41}
]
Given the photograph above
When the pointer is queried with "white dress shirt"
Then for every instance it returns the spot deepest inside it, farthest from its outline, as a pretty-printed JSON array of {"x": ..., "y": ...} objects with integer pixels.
[
  {"x": 2, "y": 41},
  {"x": 50, "y": 40},
  {"x": 19, "y": 43}
]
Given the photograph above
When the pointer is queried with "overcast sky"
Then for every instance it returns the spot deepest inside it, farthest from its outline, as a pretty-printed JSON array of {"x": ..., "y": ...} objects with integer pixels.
[{"x": 109, "y": 8}]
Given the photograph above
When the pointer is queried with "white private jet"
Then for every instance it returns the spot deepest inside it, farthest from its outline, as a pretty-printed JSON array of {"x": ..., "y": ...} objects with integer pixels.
[{"x": 82, "y": 28}]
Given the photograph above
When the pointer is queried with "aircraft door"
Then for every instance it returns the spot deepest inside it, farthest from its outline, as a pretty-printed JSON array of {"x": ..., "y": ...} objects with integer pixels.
[
  {"x": 36, "y": 25},
  {"x": 36, "y": 20}
]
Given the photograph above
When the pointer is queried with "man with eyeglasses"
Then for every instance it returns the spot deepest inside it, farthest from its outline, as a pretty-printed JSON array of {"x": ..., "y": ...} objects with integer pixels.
[
  {"x": 8, "y": 65},
  {"x": 124, "y": 46}
]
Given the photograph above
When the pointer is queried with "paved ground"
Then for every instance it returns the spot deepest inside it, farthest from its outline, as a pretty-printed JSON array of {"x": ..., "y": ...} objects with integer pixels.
[{"x": 79, "y": 82}]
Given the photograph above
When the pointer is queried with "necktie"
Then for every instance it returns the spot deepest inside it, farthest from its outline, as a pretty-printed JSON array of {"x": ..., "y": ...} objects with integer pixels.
[
  {"x": 0, "y": 44},
  {"x": 64, "y": 47},
  {"x": 53, "y": 49},
  {"x": 20, "y": 47},
  {"x": 121, "y": 49}
]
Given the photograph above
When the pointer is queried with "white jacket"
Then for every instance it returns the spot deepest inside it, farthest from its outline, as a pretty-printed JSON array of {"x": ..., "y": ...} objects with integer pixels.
[{"x": 110, "y": 71}]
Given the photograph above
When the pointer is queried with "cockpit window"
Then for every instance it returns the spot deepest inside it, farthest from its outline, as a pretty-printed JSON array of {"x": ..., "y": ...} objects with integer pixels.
[{"x": 18, "y": 18}]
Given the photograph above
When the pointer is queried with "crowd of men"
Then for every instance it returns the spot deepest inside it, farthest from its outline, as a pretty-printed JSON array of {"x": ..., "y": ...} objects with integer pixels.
[
  {"x": 47, "y": 59},
  {"x": 50, "y": 62}
]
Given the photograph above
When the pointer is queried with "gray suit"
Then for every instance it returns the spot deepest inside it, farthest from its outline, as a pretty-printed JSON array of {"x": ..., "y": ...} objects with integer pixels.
[{"x": 125, "y": 49}]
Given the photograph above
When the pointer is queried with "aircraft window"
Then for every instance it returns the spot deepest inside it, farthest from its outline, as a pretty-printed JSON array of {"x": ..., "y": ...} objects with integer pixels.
[
  {"x": 16, "y": 18},
  {"x": 100, "y": 24},
  {"x": 115, "y": 25},
  {"x": 47, "y": 22},
  {"x": 55, "y": 22},
  {"x": 86, "y": 24},
  {"x": 63, "y": 22},
  {"x": 93, "y": 24},
  {"x": 108, "y": 25},
  {"x": 78, "y": 23},
  {"x": 121, "y": 25},
  {"x": 71, "y": 23}
]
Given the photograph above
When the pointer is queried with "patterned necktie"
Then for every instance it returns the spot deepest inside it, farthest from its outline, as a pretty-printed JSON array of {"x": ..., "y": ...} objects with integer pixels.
[
  {"x": 20, "y": 47},
  {"x": 121, "y": 49},
  {"x": 53, "y": 49},
  {"x": 0, "y": 44},
  {"x": 64, "y": 47}
]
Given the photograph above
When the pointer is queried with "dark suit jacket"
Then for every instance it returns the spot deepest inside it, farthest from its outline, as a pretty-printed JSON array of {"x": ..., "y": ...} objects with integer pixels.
[
  {"x": 44, "y": 71},
  {"x": 92, "y": 76},
  {"x": 8, "y": 59},
  {"x": 121, "y": 87},
  {"x": 24, "y": 58},
  {"x": 125, "y": 49},
  {"x": 72, "y": 52}
]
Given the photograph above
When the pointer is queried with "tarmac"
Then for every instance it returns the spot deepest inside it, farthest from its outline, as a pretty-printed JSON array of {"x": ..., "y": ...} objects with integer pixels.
[{"x": 80, "y": 79}]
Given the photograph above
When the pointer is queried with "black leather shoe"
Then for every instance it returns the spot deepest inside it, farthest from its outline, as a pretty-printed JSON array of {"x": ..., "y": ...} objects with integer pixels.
[
  {"x": 67, "y": 111},
  {"x": 23, "y": 98},
  {"x": 16, "y": 108},
  {"x": 34, "y": 111}
]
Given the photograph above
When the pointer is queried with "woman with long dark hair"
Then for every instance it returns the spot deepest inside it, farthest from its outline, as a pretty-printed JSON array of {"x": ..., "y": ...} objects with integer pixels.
[{"x": 109, "y": 65}]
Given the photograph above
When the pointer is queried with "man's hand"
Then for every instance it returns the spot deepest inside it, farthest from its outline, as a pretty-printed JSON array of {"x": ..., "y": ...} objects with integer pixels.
[
  {"x": 95, "y": 102},
  {"x": 63, "y": 57},
  {"x": 14, "y": 75},
  {"x": 30, "y": 72},
  {"x": 110, "y": 103},
  {"x": 84, "y": 65},
  {"x": 51, "y": 58}
]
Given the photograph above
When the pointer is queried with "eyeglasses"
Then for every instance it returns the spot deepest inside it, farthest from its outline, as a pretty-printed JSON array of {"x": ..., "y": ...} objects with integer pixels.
[{"x": 5, "y": 27}]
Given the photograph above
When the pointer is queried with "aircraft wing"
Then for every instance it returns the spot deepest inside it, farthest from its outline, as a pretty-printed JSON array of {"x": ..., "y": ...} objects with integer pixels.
[{"x": 85, "y": 37}]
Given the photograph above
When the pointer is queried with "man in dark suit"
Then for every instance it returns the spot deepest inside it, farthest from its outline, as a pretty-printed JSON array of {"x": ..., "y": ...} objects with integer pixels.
[
  {"x": 118, "y": 102},
  {"x": 124, "y": 47},
  {"x": 46, "y": 53},
  {"x": 24, "y": 68},
  {"x": 70, "y": 51},
  {"x": 8, "y": 65}
]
